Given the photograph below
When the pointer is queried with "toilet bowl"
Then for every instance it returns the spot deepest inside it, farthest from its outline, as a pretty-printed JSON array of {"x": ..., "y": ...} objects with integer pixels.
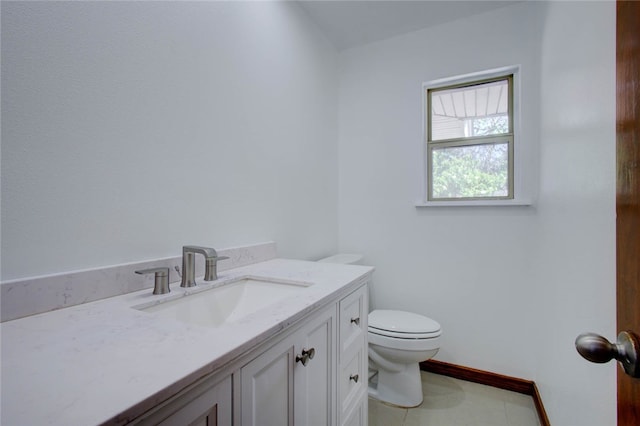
[{"x": 398, "y": 341}]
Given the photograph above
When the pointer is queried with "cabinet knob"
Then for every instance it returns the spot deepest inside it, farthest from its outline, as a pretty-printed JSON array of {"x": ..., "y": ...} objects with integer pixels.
[
  {"x": 355, "y": 321},
  {"x": 354, "y": 377},
  {"x": 311, "y": 352},
  {"x": 305, "y": 356},
  {"x": 303, "y": 359}
]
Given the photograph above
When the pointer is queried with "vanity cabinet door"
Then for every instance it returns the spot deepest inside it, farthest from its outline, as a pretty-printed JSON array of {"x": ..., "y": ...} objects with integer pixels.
[
  {"x": 267, "y": 387},
  {"x": 206, "y": 404},
  {"x": 315, "y": 382}
]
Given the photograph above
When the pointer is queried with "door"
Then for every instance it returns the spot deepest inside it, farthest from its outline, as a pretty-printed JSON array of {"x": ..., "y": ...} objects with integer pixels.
[
  {"x": 627, "y": 348},
  {"x": 628, "y": 195}
]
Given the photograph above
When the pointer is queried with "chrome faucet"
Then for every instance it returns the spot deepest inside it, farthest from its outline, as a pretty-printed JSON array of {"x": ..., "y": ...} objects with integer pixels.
[{"x": 189, "y": 264}]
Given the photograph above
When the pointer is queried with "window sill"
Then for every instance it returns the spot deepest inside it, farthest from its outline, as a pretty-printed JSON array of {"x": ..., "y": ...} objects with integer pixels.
[{"x": 475, "y": 203}]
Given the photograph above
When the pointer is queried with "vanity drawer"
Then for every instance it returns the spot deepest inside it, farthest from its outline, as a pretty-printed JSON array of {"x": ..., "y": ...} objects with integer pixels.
[
  {"x": 357, "y": 416},
  {"x": 353, "y": 377},
  {"x": 353, "y": 317}
]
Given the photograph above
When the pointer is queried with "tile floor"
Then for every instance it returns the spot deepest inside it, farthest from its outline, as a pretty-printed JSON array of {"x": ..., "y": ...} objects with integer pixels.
[{"x": 453, "y": 402}]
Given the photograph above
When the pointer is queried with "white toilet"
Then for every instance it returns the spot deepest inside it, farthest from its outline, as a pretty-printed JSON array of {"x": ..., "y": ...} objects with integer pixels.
[{"x": 398, "y": 341}]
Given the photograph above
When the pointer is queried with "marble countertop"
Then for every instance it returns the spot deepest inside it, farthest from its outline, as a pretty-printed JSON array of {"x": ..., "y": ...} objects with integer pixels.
[{"x": 105, "y": 362}]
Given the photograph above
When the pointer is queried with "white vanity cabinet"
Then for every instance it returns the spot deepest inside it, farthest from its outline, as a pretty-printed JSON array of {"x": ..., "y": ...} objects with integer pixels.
[
  {"x": 312, "y": 374},
  {"x": 291, "y": 382}
]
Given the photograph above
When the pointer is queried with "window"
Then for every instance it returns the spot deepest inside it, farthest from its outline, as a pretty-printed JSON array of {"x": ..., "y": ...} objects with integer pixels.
[{"x": 469, "y": 132}]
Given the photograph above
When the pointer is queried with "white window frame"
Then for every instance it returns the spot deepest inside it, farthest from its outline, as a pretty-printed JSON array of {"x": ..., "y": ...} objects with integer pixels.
[{"x": 519, "y": 192}]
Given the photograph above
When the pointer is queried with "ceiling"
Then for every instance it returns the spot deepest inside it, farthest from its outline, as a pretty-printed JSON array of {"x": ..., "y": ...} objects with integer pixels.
[{"x": 350, "y": 23}]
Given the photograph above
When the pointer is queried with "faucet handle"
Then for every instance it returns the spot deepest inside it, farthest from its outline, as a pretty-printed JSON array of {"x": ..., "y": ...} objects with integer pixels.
[
  {"x": 211, "y": 267},
  {"x": 161, "y": 281}
]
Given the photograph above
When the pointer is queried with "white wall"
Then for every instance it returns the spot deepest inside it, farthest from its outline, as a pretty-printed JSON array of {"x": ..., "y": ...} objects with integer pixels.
[
  {"x": 511, "y": 286},
  {"x": 132, "y": 128}
]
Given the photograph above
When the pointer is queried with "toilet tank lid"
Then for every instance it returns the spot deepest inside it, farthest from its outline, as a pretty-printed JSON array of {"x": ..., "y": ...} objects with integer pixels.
[
  {"x": 402, "y": 322},
  {"x": 345, "y": 258}
]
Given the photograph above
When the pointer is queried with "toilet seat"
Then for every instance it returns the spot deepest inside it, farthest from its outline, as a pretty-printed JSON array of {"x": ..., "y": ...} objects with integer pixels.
[
  {"x": 402, "y": 325},
  {"x": 404, "y": 344}
]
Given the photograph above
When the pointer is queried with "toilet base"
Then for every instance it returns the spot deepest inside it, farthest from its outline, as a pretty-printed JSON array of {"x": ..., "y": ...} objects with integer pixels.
[{"x": 403, "y": 388}]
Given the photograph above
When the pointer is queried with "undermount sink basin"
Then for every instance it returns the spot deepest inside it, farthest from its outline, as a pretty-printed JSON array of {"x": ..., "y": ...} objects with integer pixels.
[{"x": 227, "y": 303}]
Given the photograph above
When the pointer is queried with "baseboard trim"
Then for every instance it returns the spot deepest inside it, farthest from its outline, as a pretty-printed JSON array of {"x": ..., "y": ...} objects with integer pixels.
[{"x": 488, "y": 378}]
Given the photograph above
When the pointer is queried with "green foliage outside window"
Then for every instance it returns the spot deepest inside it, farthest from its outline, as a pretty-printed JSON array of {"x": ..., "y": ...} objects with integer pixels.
[
  {"x": 468, "y": 172},
  {"x": 472, "y": 171}
]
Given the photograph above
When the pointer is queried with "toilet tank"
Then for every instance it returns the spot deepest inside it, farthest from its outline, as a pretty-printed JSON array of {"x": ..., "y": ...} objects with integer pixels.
[{"x": 344, "y": 258}]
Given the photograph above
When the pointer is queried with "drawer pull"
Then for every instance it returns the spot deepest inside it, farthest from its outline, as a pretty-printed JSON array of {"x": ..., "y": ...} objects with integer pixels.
[
  {"x": 355, "y": 321},
  {"x": 354, "y": 377},
  {"x": 305, "y": 356}
]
